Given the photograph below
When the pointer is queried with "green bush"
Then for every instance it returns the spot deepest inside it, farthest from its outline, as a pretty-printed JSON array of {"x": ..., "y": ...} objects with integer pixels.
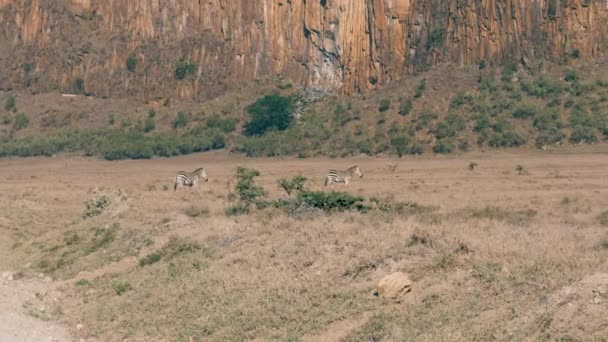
[
  {"x": 385, "y": 104},
  {"x": 21, "y": 121},
  {"x": 482, "y": 122},
  {"x": 572, "y": 76},
  {"x": 508, "y": 70},
  {"x": 340, "y": 117},
  {"x": 547, "y": 120},
  {"x": 541, "y": 88},
  {"x": 420, "y": 89},
  {"x": 444, "y": 146},
  {"x": 406, "y": 107},
  {"x": 183, "y": 69},
  {"x": 524, "y": 111},
  {"x": 400, "y": 144},
  {"x": 506, "y": 139},
  {"x": 583, "y": 134},
  {"x": 180, "y": 121},
  {"x": 325, "y": 201},
  {"x": 150, "y": 259},
  {"x": 246, "y": 192},
  {"x": 226, "y": 125},
  {"x": 452, "y": 124},
  {"x": 151, "y": 113},
  {"x": 131, "y": 63},
  {"x": 95, "y": 206},
  {"x": 436, "y": 38},
  {"x": 549, "y": 137},
  {"x": 294, "y": 184},
  {"x": 10, "y": 103},
  {"x": 460, "y": 99},
  {"x": 149, "y": 125},
  {"x": 270, "y": 112}
]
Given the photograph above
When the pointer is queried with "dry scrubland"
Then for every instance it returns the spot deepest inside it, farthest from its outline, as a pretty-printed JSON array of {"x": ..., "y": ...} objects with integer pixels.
[{"x": 498, "y": 252}]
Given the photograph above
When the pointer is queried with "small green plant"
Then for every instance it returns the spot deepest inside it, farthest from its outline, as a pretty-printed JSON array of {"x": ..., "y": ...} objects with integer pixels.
[
  {"x": 487, "y": 273},
  {"x": 325, "y": 201},
  {"x": 508, "y": 70},
  {"x": 112, "y": 120},
  {"x": 131, "y": 63},
  {"x": 21, "y": 121},
  {"x": 120, "y": 287},
  {"x": 150, "y": 259},
  {"x": 78, "y": 86},
  {"x": 420, "y": 89},
  {"x": 82, "y": 283},
  {"x": 246, "y": 192},
  {"x": 95, "y": 206},
  {"x": 10, "y": 103},
  {"x": 180, "y": 121},
  {"x": 151, "y": 113},
  {"x": 385, "y": 104},
  {"x": 443, "y": 146},
  {"x": 406, "y": 107},
  {"x": 102, "y": 237},
  {"x": 71, "y": 238},
  {"x": 524, "y": 111},
  {"x": 149, "y": 125},
  {"x": 226, "y": 125},
  {"x": 572, "y": 76},
  {"x": 294, "y": 184},
  {"x": 576, "y": 53},
  {"x": 472, "y": 166},
  {"x": 183, "y": 69}
]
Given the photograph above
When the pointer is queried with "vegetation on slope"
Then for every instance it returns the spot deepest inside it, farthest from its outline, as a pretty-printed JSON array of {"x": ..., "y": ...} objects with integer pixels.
[{"x": 516, "y": 108}]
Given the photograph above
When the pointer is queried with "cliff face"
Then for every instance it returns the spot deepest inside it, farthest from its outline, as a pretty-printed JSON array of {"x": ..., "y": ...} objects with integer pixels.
[{"x": 133, "y": 47}]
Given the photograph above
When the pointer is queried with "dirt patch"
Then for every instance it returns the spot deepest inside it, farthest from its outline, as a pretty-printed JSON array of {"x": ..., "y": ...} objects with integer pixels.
[{"x": 26, "y": 311}]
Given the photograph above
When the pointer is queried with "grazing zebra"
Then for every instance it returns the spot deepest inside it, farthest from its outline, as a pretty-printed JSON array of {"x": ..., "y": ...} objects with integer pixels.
[
  {"x": 190, "y": 178},
  {"x": 335, "y": 176}
]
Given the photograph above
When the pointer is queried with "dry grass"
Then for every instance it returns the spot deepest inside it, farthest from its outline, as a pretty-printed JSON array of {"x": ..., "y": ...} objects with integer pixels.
[{"x": 481, "y": 247}]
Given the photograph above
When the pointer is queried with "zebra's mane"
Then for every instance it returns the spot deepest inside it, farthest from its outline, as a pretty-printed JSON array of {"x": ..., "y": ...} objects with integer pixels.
[{"x": 352, "y": 169}]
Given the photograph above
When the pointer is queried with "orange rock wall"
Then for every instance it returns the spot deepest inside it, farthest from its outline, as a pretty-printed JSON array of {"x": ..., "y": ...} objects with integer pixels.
[{"x": 348, "y": 45}]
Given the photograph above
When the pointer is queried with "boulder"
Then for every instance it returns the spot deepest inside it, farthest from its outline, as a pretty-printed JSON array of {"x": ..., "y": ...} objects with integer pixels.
[{"x": 393, "y": 286}]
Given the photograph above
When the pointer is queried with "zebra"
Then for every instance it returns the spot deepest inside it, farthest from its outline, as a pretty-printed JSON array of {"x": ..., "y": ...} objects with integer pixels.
[
  {"x": 190, "y": 178},
  {"x": 335, "y": 176}
]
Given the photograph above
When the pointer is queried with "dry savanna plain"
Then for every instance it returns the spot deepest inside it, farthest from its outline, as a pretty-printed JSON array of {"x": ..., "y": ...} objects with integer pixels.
[{"x": 505, "y": 246}]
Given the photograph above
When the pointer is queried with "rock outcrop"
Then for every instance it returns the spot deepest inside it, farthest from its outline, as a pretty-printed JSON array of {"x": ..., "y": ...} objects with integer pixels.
[{"x": 126, "y": 47}]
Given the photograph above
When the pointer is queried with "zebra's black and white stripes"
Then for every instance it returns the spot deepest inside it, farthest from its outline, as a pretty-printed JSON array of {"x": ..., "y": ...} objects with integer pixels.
[
  {"x": 338, "y": 176},
  {"x": 190, "y": 178}
]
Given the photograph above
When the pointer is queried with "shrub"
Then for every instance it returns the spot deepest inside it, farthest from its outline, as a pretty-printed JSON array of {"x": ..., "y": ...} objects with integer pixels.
[
  {"x": 78, "y": 87},
  {"x": 385, "y": 104},
  {"x": 524, "y": 111},
  {"x": 149, "y": 125},
  {"x": 151, "y": 113},
  {"x": 269, "y": 112},
  {"x": 547, "y": 120},
  {"x": 443, "y": 146},
  {"x": 449, "y": 127},
  {"x": 340, "y": 117},
  {"x": 583, "y": 134},
  {"x": 576, "y": 53},
  {"x": 131, "y": 63},
  {"x": 420, "y": 89},
  {"x": 95, "y": 206},
  {"x": 246, "y": 192},
  {"x": 436, "y": 38},
  {"x": 400, "y": 144},
  {"x": 21, "y": 121},
  {"x": 10, "y": 103},
  {"x": 150, "y": 259},
  {"x": 111, "y": 120},
  {"x": 406, "y": 107},
  {"x": 183, "y": 69},
  {"x": 549, "y": 137},
  {"x": 120, "y": 287},
  {"x": 325, "y": 201},
  {"x": 294, "y": 184},
  {"x": 193, "y": 211},
  {"x": 460, "y": 99},
  {"x": 541, "y": 88},
  {"x": 482, "y": 122},
  {"x": 506, "y": 139},
  {"x": 508, "y": 70},
  {"x": 226, "y": 125},
  {"x": 572, "y": 76},
  {"x": 180, "y": 121}
]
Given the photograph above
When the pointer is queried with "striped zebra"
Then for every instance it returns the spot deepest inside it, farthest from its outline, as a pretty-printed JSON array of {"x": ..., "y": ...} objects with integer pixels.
[
  {"x": 190, "y": 178},
  {"x": 336, "y": 176}
]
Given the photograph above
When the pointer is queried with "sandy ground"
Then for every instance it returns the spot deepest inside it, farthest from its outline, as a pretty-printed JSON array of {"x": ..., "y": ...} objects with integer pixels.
[{"x": 42, "y": 194}]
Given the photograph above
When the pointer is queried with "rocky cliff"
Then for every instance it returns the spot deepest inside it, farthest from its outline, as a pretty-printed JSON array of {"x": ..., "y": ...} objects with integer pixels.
[{"x": 200, "y": 48}]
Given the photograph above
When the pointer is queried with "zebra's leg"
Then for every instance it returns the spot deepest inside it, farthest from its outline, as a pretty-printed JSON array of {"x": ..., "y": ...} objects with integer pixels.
[{"x": 175, "y": 185}]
